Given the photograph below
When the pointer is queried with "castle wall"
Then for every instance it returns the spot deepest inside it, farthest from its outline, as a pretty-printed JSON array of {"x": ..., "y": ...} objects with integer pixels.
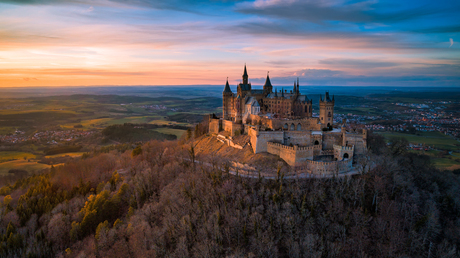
[
  {"x": 259, "y": 139},
  {"x": 340, "y": 151},
  {"x": 356, "y": 139},
  {"x": 214, "y": 125},
  {"x": 292, "y": 155},
  {"x": 330, "y": 138},
  {"x": 329, "y": 168},
  {"x": 300, "y": 138},
  {"x": 306, "y": 124}
]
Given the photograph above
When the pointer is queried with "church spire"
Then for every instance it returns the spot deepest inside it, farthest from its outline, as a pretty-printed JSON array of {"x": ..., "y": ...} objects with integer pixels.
[{"x": 227, "y": 87}]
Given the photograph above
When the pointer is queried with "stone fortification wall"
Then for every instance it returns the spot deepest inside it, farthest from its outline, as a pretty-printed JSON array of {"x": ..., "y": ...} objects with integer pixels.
[
  {"x": 310, "y": 123},
  {"x": 293, "y": 155},
  {"x": 357, "y": 139},
  {"x": 214, "y": 125},
  {"x": 340, "y": 151},
  {"x": 231, "y": 127},
  {"x": 259, "y": 139},
  {"x": 300, "y": 138},
  {"x": 331, "y": 138},
  {"x": 325, "y": 168}
]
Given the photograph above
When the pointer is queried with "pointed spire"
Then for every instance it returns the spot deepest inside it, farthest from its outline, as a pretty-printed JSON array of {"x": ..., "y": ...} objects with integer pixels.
[
  {"x": 245, "y": 71},
  {"x": 276, "y": 93},
  {"x": 298, "y": 85},
  {"x": 227, "y": 87},
  {"x": 282, "y": 92},
  {"x": 267, "y": 82}
]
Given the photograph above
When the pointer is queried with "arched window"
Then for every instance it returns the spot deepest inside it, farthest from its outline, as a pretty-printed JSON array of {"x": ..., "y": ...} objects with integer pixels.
[
  {"x": 345, "y": 156},
  {"x": 292, "y": 127},
  {"x": 299, "y": 127},
  {"x": 316, "y": 142},
  {"x": 329, "y": 115},
  {"x": 285, "y": 126},
  {"x": 328, "y": 124},
  {"x": 306, "y": 109}
]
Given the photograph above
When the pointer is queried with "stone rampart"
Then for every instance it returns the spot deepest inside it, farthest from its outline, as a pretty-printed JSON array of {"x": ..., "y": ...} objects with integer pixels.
[
  {"x": 325, "y": 167},
  {"x": 214, "y": 125}
]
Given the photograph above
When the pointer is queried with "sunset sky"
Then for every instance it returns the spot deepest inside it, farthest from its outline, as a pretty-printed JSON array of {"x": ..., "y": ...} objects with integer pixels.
[{"x": 186, "y": 42}]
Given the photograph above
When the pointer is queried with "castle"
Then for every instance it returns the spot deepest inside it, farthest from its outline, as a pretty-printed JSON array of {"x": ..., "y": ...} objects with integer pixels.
[{"x": 282, "y": 123}]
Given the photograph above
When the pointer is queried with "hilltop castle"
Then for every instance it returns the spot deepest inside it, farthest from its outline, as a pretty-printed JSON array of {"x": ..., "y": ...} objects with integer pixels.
[{"x": 282, "y": 123}]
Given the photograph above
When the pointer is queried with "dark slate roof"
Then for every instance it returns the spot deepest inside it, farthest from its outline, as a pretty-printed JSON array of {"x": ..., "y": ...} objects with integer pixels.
[
  {"x": 267, "y": 82},
  {"x": 227, "y": 87},
  {"x": 245, "y": 72},
  {"x": 257, "y": 91},
  {"x": 245, "y": 87}
]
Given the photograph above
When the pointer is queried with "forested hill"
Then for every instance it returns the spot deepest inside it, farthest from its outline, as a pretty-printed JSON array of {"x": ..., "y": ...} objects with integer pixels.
[{"x": 153, "y": 202}]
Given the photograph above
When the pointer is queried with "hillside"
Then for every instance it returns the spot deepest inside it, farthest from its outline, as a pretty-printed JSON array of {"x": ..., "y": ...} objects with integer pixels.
[{"x": 153, "y": 202}]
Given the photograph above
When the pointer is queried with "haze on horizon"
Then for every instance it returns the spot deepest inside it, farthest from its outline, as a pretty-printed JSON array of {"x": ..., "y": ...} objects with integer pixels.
[{"x": 185, "y": 42}]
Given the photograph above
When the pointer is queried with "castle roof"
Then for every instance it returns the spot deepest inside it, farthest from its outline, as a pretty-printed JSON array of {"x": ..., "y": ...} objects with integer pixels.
[
  {"x": 257, "y": 91},
  {"x": 267, "y": 82},
  {"x": 227, "y": 87},
  {"x": 245, "y": 87},
  {"x": 327, "y": 98}
]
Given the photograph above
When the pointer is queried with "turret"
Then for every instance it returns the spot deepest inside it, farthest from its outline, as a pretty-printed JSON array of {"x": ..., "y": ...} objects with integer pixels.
[{"x": 326, "y": 110}]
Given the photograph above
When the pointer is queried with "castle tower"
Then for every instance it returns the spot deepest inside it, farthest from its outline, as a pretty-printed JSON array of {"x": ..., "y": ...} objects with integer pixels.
[
  {"x": 245, "y": 75},
  {"x": 227, "y": 96},
  {"x": 268, "y": 88},
  {"x": 238, "y": 113},
  {"x": 326, "y": 111}
]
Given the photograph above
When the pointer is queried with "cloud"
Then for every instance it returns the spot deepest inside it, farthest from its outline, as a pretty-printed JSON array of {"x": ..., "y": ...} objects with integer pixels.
[
  {"x": 451, "y": 42},
  {"x": 356, "y": 63},
  {"x": 440, "y": 29},
  {"x": 326, "y": 11},
  {"x": 29, "y": 79},
  {"x": 194, "y": 6}
]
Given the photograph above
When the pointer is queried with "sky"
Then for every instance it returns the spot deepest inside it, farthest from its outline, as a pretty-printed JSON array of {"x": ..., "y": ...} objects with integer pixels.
[{"x": 199, "y": 42}]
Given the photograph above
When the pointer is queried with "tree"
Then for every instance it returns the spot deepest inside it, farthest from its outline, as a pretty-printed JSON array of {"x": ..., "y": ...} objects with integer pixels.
[{"x": 398, "y": 146}]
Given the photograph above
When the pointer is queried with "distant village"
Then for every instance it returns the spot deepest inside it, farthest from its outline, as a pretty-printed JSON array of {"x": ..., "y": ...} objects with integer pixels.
[{"x": 48, "y": 137}]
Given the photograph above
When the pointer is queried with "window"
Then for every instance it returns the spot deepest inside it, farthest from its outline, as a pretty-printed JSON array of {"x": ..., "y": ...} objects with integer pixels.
[
  {"x": 345, "y": 156},
  {"x": 285, "y": 126},
  {"x": 292, "y": 127},
  {"x": 316, "y": 142},
  {"x": 299, "y": 127}
]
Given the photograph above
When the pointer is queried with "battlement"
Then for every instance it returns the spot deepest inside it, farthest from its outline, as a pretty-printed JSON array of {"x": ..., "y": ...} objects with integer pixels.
[{"x": 295, "y": 147}]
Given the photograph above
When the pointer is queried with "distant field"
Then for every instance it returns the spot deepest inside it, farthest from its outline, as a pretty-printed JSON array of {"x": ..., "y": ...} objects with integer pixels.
[
  {"x": 435, "y": 139},
  {"x": 166, "y": 122},
  {"x": 10, "y": 155},
  {"x": 21, "y": 164},
  {"x": 445, "y": 163},
  {"x": 176, "y": 132},
  {"x": 71, "y": 154}
]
